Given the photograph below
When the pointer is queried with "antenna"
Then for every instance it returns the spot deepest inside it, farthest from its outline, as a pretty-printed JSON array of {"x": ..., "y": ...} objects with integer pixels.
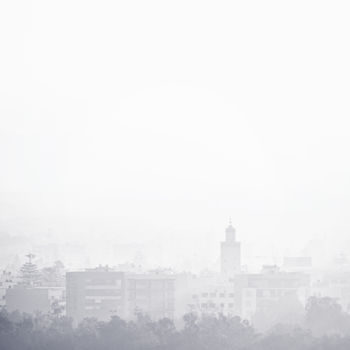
[{"x": 30, "y": 256}]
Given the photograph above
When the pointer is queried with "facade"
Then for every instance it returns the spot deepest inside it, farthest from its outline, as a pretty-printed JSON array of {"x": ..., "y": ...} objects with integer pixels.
[
  {"x": 208, "y": 293},
  {"x": 334, "y": 284},
  {"x": 7, "y": 280},
  {"x": 151, "y": 294},
  {"x": 230, "y": 253},
  {"x": 31, "y": 300},
  {"x": 214, "y": 300},
  {"x": 98, "y": 293},
  {"x": 102, "y": 293},
  {"x": 185, "y": 284},
  {"x": 257, "y": 292},
  {"x": 297, "y": 263},
  {"x": 28, "y": 300}
]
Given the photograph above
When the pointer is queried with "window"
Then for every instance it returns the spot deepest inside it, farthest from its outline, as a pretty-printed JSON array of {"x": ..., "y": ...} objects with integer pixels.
[{"x": 266, "y": 293}]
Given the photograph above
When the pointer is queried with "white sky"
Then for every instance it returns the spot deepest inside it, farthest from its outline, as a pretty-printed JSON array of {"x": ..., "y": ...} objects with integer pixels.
[{"x": 145, "y": 120}]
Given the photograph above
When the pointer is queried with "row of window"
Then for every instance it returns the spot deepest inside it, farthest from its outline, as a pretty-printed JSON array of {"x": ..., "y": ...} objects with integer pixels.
[
  {"x": 103, "y": 292},
  {"x": 213, "y": 305},
  {"x": 150, "y": 284},
  {"x": 275, "y": 293},
  {"x": 214, "y": 295},
  {"x": 103, "y": 281}
]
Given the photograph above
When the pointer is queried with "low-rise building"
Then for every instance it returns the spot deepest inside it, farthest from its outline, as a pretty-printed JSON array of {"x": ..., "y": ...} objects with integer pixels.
[
  {"x": 256, "y": 292},
  {"x": 333, "y": 284},
  {"x": 151, "y": 294},
  {"x": 7, "y": 280},
  {"x": 103, "y": 292},
  {"x": 35, "y": 299},
  {"x": 214, "y": 300},
  {"x": 96, "y": 293}
]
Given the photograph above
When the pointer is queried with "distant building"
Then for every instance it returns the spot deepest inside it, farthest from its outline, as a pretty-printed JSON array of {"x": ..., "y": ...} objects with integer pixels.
[
  {"x": 214, "y": 300},
  {"x": 34, "y": 299},
  {"x": 102, "y": 293},
  {"x": 255, "y": 292},
  {"x": 297, "y": 263},
  {"x": 96, "y": 293},
  {"x": 184, "y": 289},
  {"x": 334, "y": 284},
  {"x": 230, "y": 253},
  {"x": 208, "y": 293},
  {"x": 7, "y": 280},
  {"x": 151, "y": 294},
  {"x": 28, "y": 300}
]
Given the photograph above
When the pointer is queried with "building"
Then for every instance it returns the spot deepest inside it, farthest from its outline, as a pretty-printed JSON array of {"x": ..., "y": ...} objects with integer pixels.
[
  {"x": 257, "y": 292},
  {"x": 205, "y": 294},
  {"x": 98, "y": 293},
  {"x": 297, "y": 263},
  {"x": 185, "y": 283},
  {"x": 334, "y": 284},
  {"x": 230, "y": 253},
  {"x": 31, "y": 300},
  {"x": 151, "y": 294},
  {"x": 214, "y": 300},
  {"x": 7, "y": 280},
  {"x": 103, "y": 292}
]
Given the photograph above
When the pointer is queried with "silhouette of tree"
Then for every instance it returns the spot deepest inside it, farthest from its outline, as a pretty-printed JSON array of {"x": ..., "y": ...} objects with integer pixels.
[
  {"x": 46, "y": 332},
  {"x": 29, "y": 272},
  {"x": 324, "y": 316},
  {"x": 287, "y": 310}
]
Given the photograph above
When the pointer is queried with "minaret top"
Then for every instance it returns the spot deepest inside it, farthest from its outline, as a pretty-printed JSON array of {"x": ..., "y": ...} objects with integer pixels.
[{"x": 230, "y": 232}]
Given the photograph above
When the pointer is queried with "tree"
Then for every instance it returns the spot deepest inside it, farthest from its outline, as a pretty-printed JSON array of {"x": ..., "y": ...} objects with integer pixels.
[
  {"x": 324, "y": 316},
  {"x": 29, "y": 272},
  {"x": 53, "y": 275},
  {"x": 287, "y": 310}
]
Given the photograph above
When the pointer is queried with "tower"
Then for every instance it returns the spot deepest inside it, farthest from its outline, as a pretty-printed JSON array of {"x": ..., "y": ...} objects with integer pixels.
[{"x": 230, "y": 253}]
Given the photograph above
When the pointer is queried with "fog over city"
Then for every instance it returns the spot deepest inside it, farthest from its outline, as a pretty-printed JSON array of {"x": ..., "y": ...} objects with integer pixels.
[
  {"x": 139, "y": 122},
  {"x": 146, "y": 135}
]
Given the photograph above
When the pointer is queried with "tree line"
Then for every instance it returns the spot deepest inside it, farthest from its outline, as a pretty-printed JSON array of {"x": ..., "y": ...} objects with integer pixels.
[{"x": 325, "y": 326}]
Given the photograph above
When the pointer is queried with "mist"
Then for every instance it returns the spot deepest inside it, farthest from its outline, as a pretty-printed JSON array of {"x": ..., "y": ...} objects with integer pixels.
[{"x": 196, "y": 147}]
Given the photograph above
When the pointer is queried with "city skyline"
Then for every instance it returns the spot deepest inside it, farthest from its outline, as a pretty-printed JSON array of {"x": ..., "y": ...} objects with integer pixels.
[
  {"x": 101, "y": 136},
  {"x": 174, "y": 175}
]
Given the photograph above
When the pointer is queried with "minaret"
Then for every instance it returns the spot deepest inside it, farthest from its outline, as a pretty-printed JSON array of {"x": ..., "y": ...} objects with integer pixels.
[{"x": 230, "y": 253}]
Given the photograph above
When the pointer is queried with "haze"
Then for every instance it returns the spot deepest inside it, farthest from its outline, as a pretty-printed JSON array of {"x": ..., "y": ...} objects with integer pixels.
[{"x": 153, "y": 122}]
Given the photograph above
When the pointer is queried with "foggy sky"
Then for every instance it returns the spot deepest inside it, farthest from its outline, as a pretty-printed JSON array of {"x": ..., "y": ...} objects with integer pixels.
[{"x": 157, "y": 120}]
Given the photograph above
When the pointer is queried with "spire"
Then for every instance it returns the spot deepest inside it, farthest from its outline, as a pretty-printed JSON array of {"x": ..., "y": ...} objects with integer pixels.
[
  {"x": 230, "y": 231},
  {"x": 230, "y": 227}
]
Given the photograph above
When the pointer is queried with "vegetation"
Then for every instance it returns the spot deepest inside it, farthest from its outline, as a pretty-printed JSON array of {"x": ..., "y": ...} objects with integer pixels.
[{"x": 325, "y": 327}]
